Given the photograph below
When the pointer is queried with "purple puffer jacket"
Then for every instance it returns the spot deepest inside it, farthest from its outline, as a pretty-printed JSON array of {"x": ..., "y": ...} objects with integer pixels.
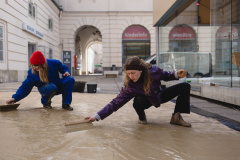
[{"x": 136, "y": 88}]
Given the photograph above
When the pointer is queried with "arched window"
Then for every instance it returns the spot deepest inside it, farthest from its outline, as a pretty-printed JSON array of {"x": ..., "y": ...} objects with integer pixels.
[
  {"x": 182, "y": 39},
  {"x": 135, "y": 42}
]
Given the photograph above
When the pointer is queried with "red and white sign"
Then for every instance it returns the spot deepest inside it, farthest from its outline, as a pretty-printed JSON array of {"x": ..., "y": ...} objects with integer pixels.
[
  {"x": 225, "y": 31},
  {"x": 136, "y": 33},
  {"x": 182, "y": 33}
]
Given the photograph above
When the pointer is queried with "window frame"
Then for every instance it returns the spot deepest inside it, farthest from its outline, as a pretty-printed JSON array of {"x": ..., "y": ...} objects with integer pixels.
[
  {"x": 2, "y": 39},
  {"x": 32, "y": 8},
  {"x": 50, "y": 24},
  {"x": 50, "y": 53}
]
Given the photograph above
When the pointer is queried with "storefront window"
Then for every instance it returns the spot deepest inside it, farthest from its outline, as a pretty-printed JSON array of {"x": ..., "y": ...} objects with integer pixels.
[
  {"x": 182, "y": 39},
  {"x": 140, "y": 49},
  {"x": 225, "y": 39},
  {"x": 223, "y": 49},
  {"x": 178, "y": 45},
  {"x": 208, "y": 48},
  {"x": 135, "y": 42}
]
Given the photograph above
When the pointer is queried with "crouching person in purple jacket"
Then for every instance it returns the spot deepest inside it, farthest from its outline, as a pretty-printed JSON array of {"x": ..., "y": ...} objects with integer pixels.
[
  {"x": 142, "y": 82},
  {"x": 44, "y": 74}
]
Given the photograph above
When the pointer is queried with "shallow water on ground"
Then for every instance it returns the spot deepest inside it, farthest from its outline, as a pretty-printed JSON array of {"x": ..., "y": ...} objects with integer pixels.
[{"x": 31, "y": 132}]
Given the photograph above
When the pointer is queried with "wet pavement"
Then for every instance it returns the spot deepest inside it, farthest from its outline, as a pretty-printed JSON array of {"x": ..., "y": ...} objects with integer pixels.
[{"x": 31, "y": 132}]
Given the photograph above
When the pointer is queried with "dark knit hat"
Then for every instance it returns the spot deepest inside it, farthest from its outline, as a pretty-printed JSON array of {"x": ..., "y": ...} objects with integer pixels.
[
  {"x": 134, "y": 63},
  {"x": 134, "y": 67},
  {"x": 37, "y": 58}
]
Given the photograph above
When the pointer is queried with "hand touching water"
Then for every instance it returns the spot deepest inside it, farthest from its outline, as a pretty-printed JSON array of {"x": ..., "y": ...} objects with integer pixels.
[{"x": 10, "y": 101}]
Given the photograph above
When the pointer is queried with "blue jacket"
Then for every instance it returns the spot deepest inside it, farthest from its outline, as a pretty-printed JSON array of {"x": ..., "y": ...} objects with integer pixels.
[
  {"x": 136, "y": 89},
  {"x": 54, "y": 67}
]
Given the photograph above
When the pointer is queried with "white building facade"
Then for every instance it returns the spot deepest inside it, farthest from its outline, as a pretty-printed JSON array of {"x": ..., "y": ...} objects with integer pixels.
[
  {"x": 73, "y": 26},
  {"x": 26, "y": 26},
  {"x": 81, "y": 19}
]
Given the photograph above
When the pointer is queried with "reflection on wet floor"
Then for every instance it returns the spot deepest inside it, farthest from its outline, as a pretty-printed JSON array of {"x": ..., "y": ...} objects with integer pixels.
[
  {"x": 32, "y": 132},
  {"x": 78, "y": 127}
]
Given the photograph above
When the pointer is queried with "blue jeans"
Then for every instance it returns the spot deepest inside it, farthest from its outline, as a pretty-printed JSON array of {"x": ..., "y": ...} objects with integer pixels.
[{"x": 62, "y": 86}]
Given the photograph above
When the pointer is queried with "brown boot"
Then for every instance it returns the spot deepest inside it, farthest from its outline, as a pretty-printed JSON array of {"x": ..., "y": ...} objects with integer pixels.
[
  {"x": 142, "y": 120},
  {"x": 178, "y": 120}
]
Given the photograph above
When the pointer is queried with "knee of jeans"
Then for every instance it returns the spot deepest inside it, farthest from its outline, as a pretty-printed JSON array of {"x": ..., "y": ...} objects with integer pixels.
[
  {"x": 69, "y": 79},
  {"x": 47, "y": 89}
]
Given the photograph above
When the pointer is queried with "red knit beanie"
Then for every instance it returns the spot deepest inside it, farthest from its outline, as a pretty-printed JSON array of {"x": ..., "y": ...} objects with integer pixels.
[{"x": 37, "y": 58}]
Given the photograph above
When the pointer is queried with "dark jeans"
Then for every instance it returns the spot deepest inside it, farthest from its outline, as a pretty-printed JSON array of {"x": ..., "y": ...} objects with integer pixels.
[{"x": 181, "y": 91}]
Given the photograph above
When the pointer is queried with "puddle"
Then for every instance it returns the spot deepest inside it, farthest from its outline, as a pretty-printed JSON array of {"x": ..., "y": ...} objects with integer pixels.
[{"x": 78, "y": 127}]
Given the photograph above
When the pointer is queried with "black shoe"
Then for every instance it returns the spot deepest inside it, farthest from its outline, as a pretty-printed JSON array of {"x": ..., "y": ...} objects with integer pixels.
[
  {"x": 67, "y": 107},
  {"x": 47, "y": 106}
]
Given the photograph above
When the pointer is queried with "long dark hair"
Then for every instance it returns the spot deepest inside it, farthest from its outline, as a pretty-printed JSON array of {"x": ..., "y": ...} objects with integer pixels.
[{"x": 135, "y": 63}]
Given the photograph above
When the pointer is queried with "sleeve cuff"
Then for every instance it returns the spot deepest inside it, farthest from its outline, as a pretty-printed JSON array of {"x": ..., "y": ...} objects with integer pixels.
[
  {"x": 97, "y": 117},
  {"x": 176, "y": 76}
]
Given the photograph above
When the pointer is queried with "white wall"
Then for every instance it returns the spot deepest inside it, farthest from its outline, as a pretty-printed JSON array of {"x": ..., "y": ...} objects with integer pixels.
[
  {"x": 111, "y": 25},
  {"x": 106, "y": 5},
  {"x": 111, "y": 17},
  {"x": 12, "y": 15}
]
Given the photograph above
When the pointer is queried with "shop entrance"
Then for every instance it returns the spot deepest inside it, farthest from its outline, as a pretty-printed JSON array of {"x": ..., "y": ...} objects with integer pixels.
[{"x": 135, "y": 42}]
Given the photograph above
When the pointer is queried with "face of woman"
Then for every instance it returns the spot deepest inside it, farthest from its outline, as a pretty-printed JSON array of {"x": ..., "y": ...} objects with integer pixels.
[
  {"x": 134, "y": 75},
  {"x": 36, "y": 68}
]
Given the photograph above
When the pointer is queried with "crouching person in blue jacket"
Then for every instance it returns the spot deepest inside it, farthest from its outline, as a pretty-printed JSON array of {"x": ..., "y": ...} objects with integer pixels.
[{"x": 44, "y": 74}]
